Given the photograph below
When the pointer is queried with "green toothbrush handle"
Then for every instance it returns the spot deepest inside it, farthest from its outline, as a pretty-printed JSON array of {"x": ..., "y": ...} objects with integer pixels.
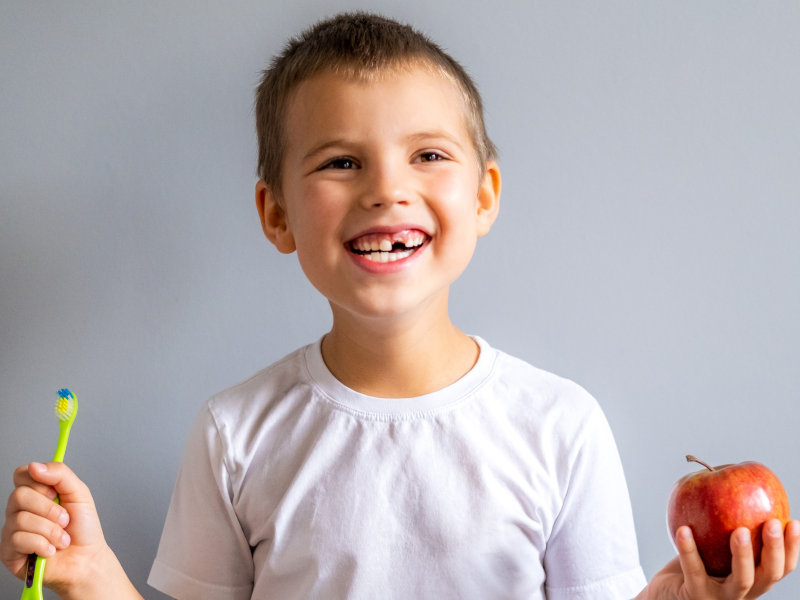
[
  {"x": 66, "y": 409},
  {"x": 33, "y": 578},
  {"x": 35, "y": 571}
]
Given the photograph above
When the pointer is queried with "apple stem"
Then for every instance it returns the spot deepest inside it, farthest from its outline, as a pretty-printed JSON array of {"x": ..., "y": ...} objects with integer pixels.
[{"x": 690, "y": 458}]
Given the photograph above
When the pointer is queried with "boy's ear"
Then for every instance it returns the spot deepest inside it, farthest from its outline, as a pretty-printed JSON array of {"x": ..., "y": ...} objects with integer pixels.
[
  {"x": 488, "y": 198},
  {"x": 273, "y": 218}
]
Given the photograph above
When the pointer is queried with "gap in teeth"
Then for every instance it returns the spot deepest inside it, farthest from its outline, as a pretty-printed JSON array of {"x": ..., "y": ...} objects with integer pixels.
[{"x": 378, "y": 243}]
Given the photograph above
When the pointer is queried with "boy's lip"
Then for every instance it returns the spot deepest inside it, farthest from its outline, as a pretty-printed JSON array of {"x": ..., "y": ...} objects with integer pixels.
[{"x": 388, "y": 230}]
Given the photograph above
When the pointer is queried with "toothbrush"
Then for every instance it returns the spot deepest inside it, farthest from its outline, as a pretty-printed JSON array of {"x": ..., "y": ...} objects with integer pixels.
[{"x": 66, "y": 408}]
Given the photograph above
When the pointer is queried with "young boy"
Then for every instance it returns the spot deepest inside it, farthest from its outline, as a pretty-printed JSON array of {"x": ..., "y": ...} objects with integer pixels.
[{"x": 398, "y": 457}]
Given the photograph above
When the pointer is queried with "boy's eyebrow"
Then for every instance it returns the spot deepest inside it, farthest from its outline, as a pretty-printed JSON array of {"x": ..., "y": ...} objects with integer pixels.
[
  {"x": 414, "y": 137},
  {"x": 436, "y": 134},
  {"x": 323, "y": 146}
]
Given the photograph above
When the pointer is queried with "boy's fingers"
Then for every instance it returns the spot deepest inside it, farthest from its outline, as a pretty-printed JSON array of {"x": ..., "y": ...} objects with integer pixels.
[
  {"x": 31, "y": 533},
  {"x": 34, "y": 524},
  {"x": 792, "y": 545},
  {"x": 741, "y": 579},
  {"x": 694, "y": 571},
  {"x": 28, "y": 500},
  {"x": 22, "y": 477},
  {"x": 17, "y": 545},
  {"x": 60, "y": 478},
  {"x": 773, "y": 557},
  {"x": 26, "y": 543}
]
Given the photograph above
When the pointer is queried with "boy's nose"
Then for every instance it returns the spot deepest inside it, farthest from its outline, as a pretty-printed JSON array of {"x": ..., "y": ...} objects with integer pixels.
[{"x": 385, "y": 186}]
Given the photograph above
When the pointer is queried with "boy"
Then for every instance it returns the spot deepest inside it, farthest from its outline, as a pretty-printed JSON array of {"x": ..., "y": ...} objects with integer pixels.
[{"x": 397, "y": 457}]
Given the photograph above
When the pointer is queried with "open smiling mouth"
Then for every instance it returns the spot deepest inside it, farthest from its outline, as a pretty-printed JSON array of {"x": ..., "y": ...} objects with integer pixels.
[{"x": 388, "y": 247}]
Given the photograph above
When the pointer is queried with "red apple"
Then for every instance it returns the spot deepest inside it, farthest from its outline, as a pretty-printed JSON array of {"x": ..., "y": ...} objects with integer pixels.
[{"x": 716, "y": 500}]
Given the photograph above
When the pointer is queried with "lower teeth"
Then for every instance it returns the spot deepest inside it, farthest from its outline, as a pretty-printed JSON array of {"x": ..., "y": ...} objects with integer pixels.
[{"x": 384, "y": 257}]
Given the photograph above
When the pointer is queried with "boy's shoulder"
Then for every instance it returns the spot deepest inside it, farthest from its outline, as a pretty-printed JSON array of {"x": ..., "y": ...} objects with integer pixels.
[
  {"x": 541, "y": 384},
  {"x": 540, "y": 405},
  {"x": 262, "y": 389}
]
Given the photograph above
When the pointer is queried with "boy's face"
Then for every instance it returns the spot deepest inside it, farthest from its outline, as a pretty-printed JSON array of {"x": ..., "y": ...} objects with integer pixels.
[{"x": 382, "y": 196}]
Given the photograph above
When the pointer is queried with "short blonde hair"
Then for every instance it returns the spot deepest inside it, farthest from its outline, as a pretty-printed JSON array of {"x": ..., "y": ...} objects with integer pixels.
[{"x": 356, "y": 45}]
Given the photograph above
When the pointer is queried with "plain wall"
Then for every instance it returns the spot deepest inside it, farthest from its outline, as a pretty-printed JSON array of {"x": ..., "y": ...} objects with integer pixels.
[{"x": 647, "y": 245}]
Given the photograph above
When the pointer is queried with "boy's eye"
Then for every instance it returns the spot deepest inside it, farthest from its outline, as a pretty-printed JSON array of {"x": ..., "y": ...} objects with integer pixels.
[
  {"x": 340, "y": 163},
  {"x": 430, "y": 157}
]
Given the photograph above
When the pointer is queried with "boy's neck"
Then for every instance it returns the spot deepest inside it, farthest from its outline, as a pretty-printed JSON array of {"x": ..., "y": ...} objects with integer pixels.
[{"x": 402, "y": 361}]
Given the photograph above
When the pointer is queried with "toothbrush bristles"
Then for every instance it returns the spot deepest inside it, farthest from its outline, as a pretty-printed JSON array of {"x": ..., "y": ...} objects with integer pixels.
[{"x": 65, "y": 404}]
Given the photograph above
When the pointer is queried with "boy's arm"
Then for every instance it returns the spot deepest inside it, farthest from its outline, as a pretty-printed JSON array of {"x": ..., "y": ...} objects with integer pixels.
[
  {"x": 685, "y": 578},
  {"x": 80, "y": 565}
]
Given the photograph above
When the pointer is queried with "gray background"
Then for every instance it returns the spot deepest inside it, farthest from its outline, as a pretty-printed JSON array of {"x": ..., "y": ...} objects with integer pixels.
[{"x": 647, "y": 243}]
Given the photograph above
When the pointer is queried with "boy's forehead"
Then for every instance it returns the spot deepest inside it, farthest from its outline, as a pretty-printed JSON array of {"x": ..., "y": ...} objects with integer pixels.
[{"x": 320, "y": 96}]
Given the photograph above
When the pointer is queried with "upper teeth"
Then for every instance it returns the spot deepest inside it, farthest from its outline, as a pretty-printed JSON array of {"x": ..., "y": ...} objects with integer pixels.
[{"x": 385, "y": 242}]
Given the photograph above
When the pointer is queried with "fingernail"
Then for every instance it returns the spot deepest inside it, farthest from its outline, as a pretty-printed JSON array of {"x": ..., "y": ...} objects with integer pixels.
[
  {"x": 743, "y": 536},
  {"x": 65, "y": 540},
  {"x": 794, "y": 527},
  {"x": 50, "y": 550},
  {"x": 63, "y": 519},
  {"x": 39, "y": 467},
  {"x": 684, "y": 534},
  {"x": 773, "y": 529}
]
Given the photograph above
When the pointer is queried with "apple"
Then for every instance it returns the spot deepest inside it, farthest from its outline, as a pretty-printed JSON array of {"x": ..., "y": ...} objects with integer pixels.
[{"x": 716, "y": 500}]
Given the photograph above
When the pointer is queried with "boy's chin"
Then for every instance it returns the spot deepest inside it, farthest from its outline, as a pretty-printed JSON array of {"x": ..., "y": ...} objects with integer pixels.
[{"x": 397, "y": 310}]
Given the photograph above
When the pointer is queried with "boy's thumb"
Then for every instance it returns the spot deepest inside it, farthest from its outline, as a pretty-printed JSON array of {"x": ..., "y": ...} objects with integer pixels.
[{"x": 61, "y": 478}]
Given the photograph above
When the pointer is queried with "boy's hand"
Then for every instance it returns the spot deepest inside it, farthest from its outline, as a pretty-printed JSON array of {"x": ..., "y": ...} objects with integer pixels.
[
  {"x": 685, "y": 577},
  {"x": 68, "y": 535}
]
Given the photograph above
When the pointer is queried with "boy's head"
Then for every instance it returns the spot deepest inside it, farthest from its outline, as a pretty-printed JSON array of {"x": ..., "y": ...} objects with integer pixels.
[{"x": 358, "y": 46}]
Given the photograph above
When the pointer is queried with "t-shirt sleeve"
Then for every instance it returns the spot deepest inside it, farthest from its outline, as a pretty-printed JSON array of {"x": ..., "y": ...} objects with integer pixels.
[
  {"x": 203, "y": 552},
  {"x": 592, "y": 552}
]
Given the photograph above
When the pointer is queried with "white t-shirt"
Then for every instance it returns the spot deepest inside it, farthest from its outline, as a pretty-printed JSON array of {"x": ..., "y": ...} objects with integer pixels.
[{"x": 506, "y": 484}]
